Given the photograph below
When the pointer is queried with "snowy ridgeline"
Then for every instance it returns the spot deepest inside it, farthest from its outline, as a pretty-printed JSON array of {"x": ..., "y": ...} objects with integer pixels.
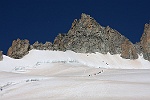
[{"x": 37, "y": 58}]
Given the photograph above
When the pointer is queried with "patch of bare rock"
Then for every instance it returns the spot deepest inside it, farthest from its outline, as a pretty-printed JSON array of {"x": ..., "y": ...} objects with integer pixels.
[
  {"x": 1, "y": 55},
  {"x": 88, "y": 36}
]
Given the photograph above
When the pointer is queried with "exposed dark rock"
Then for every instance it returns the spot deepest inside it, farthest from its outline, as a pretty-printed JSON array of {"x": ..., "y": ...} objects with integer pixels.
[
  {"x": 59, "y": 42},
  {"x": 18, "y": 49},
  {"x": 128, "y": 50},
  {"x": 138, "y": 48},
  {"x": 1, "y": 55},
  {"x": 145, "y": 42},
  {"x": 41, "y": 46},
  {"x": 88, "y": 36}
]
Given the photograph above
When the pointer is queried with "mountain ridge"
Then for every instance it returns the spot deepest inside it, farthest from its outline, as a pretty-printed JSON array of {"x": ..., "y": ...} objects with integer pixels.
[{"x": 88, "y": 36}]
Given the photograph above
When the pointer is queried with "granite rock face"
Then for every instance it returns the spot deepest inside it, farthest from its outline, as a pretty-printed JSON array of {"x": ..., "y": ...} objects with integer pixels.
[
  {"x": 1, "y": 55},
  {"x": 88, "y": 36},
  {"x": 59, "y": 42},
  {"x": 138, "y": 48},
  {"x": 18, "y": 49},
  {"x": 145, "y": 42},
  {"x": 128, "y": 50},
  {"x": 41, "y": 46}
]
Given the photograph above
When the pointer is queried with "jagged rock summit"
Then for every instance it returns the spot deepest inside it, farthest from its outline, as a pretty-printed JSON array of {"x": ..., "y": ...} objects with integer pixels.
[
  {"x": 145, "y": 42},
  {"x": 18, "y": 49},
  {"x": 88, "y": 36},
  {"x": 41, "y": 46}
]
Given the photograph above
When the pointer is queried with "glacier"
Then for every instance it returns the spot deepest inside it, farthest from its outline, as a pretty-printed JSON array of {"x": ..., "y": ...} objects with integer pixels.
[{"x": 50, "y": 75}]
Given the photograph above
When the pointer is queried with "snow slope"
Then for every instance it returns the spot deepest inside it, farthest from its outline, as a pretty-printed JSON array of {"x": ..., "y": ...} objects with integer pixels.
[
  {"x": 51, "y": 75},
  {"x": 96, "y": 60}
]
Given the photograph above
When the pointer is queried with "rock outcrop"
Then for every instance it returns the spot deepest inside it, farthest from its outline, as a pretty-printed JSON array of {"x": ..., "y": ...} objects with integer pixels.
[
  {"x": 145, "y": 42},
  {"x": 88, "y": 36},
  {"x": 18, "y": 49},
  {"x": 41, "y": 46},
  {"x": 128, "y": 50},
  {"x": 1, "y": 55}
]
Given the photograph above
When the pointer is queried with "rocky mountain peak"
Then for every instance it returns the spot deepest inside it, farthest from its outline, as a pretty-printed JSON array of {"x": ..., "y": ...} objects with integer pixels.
[
  {"x": 86, "y": 23},
  {"x": 88, "y": 36},
  {"x": 145, "y": 42},
  {"x": 19, "y": 48},
  {"x": 85, "y": 16}
]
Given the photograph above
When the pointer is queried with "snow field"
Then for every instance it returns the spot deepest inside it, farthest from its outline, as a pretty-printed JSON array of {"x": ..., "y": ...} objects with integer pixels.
[{"x": 51, "y": 75}]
